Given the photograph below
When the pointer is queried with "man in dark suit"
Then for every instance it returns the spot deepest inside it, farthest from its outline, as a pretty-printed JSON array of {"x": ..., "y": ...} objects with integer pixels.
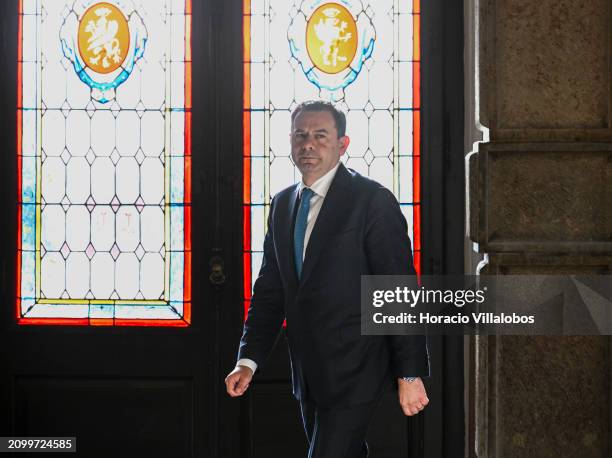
[{"x": 323, "y": 234}]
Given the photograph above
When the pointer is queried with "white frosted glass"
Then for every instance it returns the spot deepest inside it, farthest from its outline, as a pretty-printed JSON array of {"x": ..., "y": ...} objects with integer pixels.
[
  {"x": 177, "y": 82},
  {"x": 77, "y": 130},
  {"x": 257, "y": 86},
  {"x": 383, "y": 46},
  {"x": 128, "y": 94},
  {"x": 177, "y": 262},
  {"x": 29, "y": 6},
  {"x": 257, "y": 7},
  {"x": 257, "y": 133},
  {"x": 405, "y": 179},
  {"x": 53, "y": 179},
  {"x": 29, "y": 38},
  {"x": 127, "y": 228},
  {"x": 405, "y": 6},
  {"x": 152, "y": 222},
  {"x": 28, "y": 265},
  {"x": 405, "y": 37},
  {"x": 77, "y": 227},
  {"x": 381, "y": 85},
  {"x": 102, "y": 180},
  {"x": 304, "y": 89},
  {"x": 77, "y": 275},
  {"x": 258, "y": 226},
  {"x": 357, "y": 128},
  {"x": 177, "y": 133},
  {"x": 152, "y": 127},
  {"x": 126, "y": 276},
  {"x": 53, "y": 132},
  {"x": 176, "y": 225},
  {"x": 58, "y": 311},
  {"x": 281, "y": 77},
  {"x": 178, "y": 6},
  {"x": 93, "y": 152},
  {"x": 356, "y": 95},
  {"x": 101, "y": 311},
  {"x": 280, "y": 127},
  {"x": 152, "y": 180},
  {"x": 152, "y": 275},
  {"x": 28, "y": 133},
  {"x": 153, "y": 82},
  {"x": 381, "y": 170},
  {"x": 381, "y": 133},
  {"x": 405, "y": 132},
  {"x": 177, "y": 182},
  {"x": 78, "y": 93},
  {"x": 257, "y": 38},
  {"x": 52, "y": 275},
  {"x": 177, "y": 38},
  {"x": 278, "y": 36},
  {"x": 102, "y": 132},
  {"x": 128, "y": 177},
  {"x": 282, "y": 174},
  {"x": 77, "y": 180},
  {"x": 102, "y": 227},
  {"x": 128, "y": 133},
  {"x": 257, "y": 182},
  {"x": 102, "y": 275},
  {"x": 162, "y": 312},
  {"x": 30, "y": 91},
  {"x": 53, "y": 227},
  {"x": 405, "y": 87},
  {"x": 53, "y": 85}
]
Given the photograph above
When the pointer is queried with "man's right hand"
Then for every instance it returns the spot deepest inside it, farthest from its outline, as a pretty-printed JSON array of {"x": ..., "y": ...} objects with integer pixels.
[{"x": 238, "y": 381}]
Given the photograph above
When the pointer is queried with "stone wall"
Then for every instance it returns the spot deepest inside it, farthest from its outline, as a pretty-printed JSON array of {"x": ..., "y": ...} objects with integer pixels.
[{"x": 540, "y": 201}]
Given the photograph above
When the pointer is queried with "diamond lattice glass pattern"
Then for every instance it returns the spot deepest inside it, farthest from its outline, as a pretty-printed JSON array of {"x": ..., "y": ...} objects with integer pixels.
[
  {"x": 104, "y": 160},
  {"x": 378, "y": 90}
]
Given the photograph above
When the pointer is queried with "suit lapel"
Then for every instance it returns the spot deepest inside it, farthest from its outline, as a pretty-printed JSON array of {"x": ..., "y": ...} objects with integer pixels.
[
  {"x": 336, "y": 204},
  {"x": 286, "y": 256}
]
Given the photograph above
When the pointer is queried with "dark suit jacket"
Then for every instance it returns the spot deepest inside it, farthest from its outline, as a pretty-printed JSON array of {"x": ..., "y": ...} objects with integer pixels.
[{"x": 360, "y": 230}]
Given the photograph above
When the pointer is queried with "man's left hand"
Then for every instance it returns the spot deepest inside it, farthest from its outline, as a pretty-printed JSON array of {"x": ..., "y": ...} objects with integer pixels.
[{"x": 412, "y": 396}]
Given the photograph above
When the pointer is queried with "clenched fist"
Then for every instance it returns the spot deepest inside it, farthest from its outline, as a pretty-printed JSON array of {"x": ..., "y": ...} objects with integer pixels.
[
  {"x": 238, "y": 381},
  {"x": 412, "y": 396}
]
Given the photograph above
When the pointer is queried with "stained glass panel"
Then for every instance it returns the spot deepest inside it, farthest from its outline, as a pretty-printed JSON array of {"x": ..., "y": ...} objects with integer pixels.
[
  {"x": 104, "y": 120},
  {"x": 362, "y": 55}
]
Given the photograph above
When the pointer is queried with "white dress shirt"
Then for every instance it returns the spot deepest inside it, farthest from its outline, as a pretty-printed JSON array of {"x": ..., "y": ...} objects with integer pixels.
[{"x": 320, "y": 188}]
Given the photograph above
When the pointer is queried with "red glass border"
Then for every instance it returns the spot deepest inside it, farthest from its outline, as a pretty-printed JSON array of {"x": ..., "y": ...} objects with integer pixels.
[
  {"x": 186, "y": 320},
  {"x": 416, "y": 146}
]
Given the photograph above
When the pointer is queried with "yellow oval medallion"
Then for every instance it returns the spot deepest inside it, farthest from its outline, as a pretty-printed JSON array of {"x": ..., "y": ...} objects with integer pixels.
[
  {"x": 331, "y": 38},
  {"x": 104, "y": 37}
]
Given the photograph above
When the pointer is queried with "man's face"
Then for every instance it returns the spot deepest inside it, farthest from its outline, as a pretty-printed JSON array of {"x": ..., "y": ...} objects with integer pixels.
[{"x": 315, "y": 146}]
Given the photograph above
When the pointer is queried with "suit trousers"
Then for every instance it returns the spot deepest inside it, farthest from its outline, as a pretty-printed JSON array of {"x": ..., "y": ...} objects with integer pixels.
[{"x": 337, "y": 432}]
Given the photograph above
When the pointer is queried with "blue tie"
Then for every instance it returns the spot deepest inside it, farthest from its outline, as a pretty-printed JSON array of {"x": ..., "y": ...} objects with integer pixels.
[{"x": 299, "y": 232}]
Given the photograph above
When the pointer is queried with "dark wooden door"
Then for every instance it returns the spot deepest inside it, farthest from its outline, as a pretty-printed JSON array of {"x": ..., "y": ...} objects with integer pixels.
[
  {"x": 123, "y": 391},
  {"x": 137, "y": 391},
  {"x": 266, "y": 421}
]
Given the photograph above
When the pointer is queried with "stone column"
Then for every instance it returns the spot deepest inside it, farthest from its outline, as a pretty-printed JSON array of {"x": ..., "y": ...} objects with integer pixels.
[{"x": 540, "y": 202}]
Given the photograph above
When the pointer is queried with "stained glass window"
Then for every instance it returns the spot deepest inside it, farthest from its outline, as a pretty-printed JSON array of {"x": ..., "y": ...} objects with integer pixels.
[
  {"x": 104, "y": 154},
  {"x": 362, "y": 55}
]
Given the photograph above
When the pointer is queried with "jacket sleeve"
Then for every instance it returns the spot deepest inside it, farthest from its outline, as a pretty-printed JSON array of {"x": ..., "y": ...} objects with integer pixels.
[
  {"x": 266, "y": 311},
  {"x": 388, "y": 252}
]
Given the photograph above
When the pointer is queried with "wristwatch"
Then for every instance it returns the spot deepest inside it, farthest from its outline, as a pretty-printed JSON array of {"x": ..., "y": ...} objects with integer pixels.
[{"x": 409, "y": 379}]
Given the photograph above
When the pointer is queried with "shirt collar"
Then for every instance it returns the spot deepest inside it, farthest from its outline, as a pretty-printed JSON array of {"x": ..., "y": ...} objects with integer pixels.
[{"x": 321, "y": 186}]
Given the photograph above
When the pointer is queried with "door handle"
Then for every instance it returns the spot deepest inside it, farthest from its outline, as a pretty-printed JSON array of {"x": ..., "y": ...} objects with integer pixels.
[{"x": 217, "y": 275}]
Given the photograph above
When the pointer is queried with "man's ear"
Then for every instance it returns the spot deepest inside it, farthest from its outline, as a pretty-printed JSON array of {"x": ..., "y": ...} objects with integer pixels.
[{"x": 344, "y": 143}]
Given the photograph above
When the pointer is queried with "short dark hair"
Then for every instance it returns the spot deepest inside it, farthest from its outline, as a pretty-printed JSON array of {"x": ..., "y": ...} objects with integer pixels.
[{"x": 320, "y": 105}]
